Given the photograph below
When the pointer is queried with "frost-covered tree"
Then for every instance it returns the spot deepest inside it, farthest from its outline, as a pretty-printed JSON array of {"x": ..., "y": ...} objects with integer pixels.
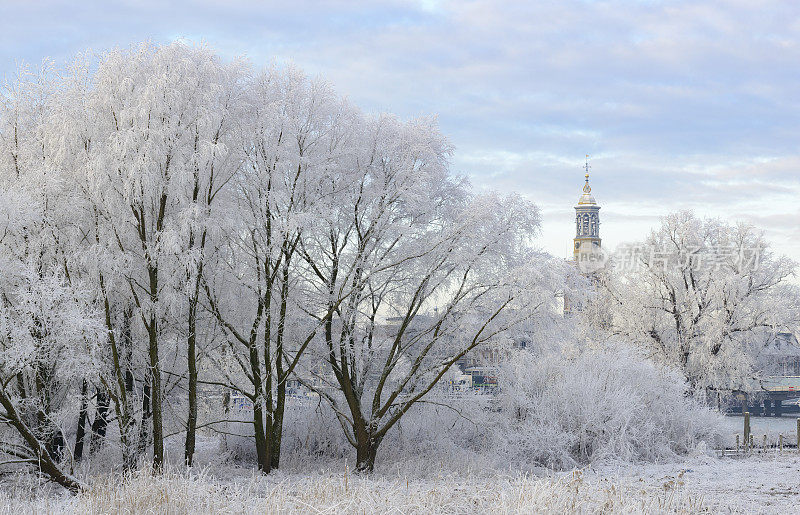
[
  {"x": 161, "y": 152},
  {"x": 49, "y": 326},
  {"x": 293, "y": 142},
  {"x": 49, "y": 339},
  {"x": 237, "y": 231},
  {"x": 219, "y": 119},
  {"x": 702, "y": 296},
  {"x": 40, "y": 215},
  {"x": 428, "y": 272}
]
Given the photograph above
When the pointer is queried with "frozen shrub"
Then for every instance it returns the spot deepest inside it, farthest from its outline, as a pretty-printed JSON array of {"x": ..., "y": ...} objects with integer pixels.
[
  {"x": 600, "y": 405},
  {"x": 311, "y": 433},
  {"x": 551, "y": 411}
]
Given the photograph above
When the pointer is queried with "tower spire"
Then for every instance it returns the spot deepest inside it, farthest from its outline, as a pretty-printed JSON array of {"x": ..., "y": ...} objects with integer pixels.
[
  {"x": 587, "y": 220},
  {"x": 586, "y": 187}
]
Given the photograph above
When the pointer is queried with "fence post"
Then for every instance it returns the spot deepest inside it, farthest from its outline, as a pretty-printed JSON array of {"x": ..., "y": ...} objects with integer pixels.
[
  {"x": 737, "y": 443},
  {"x": 780, "y": 443},
  {"x": 747, "y": 430},
  {"x": 764, "y": 447}
]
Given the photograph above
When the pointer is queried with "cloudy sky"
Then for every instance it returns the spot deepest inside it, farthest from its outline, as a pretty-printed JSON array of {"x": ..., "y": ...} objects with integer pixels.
[{"x": 681, "y": 104}]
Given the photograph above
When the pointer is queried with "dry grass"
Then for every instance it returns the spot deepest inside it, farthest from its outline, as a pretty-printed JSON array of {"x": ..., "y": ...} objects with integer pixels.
[{"x": 178, "y": 494}]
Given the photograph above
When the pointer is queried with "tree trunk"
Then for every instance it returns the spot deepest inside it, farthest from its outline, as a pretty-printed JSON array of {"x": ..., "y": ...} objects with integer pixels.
[
  {"x": 127, "y": 340},
  {"x": 143, "y": 427},
  {"x": 283, "y": 376},
  {"x": 41, "y": 456},
  {"x": 277, "y": 428},
  {"x": 56, "y": 445},
  {"x": 124, "y": 400},
  {"x": 100, "y": 423},
  {"x": 366, "y": 443},
  {"x": 191, "y": 421},
  {"x": 366, "y": 450},
  {"x": 155, "y": 396},
  {"x": 80, "y": 434},
  {"x": 123, "y": 383},
  {"x": 46, "y": 430},
  {"x": 191, "y": 344},
  {"x": 262, "y": 448}
]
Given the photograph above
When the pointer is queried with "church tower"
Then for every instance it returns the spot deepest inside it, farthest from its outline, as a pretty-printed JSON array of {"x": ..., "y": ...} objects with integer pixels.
[{"x": 587, "y": 223}]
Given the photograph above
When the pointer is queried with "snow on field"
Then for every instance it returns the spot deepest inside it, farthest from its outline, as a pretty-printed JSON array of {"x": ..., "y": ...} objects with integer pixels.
[{"x": 766, "y": 484}]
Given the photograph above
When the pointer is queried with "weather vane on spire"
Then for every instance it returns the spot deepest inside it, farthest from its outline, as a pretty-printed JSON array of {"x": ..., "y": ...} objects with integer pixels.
[{"x": 586, "y": 187}]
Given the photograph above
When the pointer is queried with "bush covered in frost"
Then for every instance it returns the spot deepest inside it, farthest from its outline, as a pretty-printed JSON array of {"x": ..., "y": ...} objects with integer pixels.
[
  {"x": 551, "y": 411},
  {"x": 600, "y": 405}
]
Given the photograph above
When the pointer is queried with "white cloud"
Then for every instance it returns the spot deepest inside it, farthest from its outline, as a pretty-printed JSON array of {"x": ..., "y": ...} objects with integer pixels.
[{"x": 682, "y": 103}]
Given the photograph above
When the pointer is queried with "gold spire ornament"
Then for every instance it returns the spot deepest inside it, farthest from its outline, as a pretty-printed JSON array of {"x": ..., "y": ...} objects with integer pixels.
[
  {"x": 587, "y": 197},
  {"x": 586, "y": 187}
]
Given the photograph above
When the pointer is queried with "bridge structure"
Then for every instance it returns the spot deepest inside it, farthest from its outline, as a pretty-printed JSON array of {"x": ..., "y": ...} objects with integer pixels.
[{"x": 778, "y": 395}]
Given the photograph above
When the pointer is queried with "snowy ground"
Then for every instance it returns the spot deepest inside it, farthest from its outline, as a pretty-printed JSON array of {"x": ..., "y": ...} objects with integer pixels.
[
  {"x": 767, "y": 483},
  {"x": 760, "y": 484}
]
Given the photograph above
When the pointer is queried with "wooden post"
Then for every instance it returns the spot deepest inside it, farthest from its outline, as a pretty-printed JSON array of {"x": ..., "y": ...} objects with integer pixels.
[
  {"x": 751, "y": 441},
  {"x": 780, "y": 442},
  {"x": 764, "y": 447},
  {"x": 747, "y": 430},
  {"x": 737, "y": 443}
]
